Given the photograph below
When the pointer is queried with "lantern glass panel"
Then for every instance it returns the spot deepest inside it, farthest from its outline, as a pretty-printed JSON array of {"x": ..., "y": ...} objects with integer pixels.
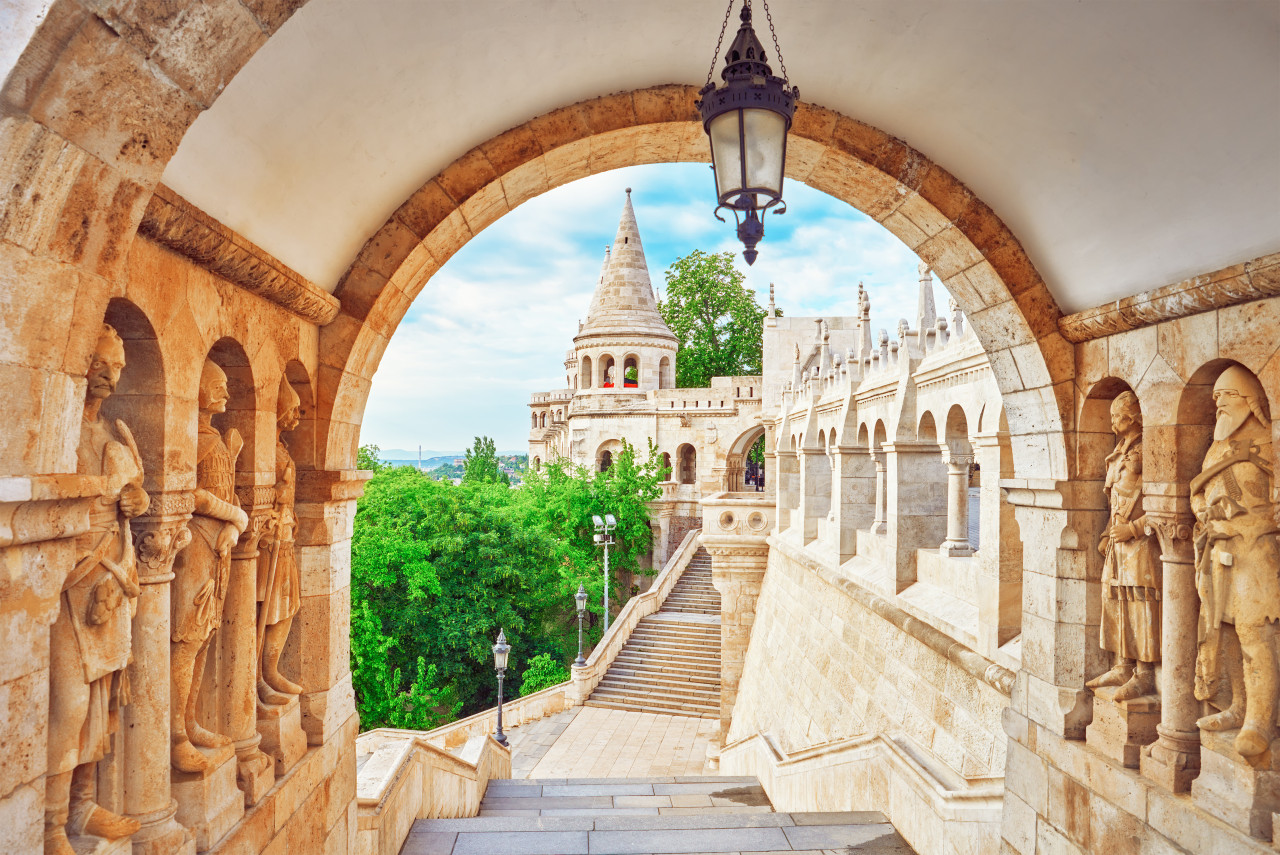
[
  {"x": 766, "y": 133},
  {"x": 726, "y": 151}
]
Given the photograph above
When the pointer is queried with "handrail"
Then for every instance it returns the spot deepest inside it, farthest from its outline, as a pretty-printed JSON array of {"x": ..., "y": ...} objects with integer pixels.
[
  {"x": 545, "y": 702},
  {"x": 587, "y": 677}
]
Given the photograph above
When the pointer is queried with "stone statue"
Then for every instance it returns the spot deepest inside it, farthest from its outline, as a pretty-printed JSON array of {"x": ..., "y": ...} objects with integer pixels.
[
  {"x": 279, "y": 585},
  {"x": 1131, "y": 568},
  {"x": 201, "y": 572},
  {"x": 89, "y": 643},
  {"x": 1237, "y": 547}
]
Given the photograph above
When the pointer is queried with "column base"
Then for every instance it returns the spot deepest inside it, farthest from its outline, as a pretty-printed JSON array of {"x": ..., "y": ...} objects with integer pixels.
[
  {"x": 1235, "y": 791},
  {"x": 1120, "y": 729},
  {"x": 255, "y": 771},
  {"x": 209, "y": 803},
  {"x": 325, "y": 712},
  {"x": 87, "y": 844},
  {"x": 1173, "y": 760},
  {"x": 955, "y": 550},
  {"x": 161, "y": 834},
  {"x": 282, "y": 736}
]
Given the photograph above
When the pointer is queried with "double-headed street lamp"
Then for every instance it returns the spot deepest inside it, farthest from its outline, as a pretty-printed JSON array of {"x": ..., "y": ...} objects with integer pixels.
[
  {"x": 581, "y": 599},
  {"x": 604, "y": 537},
  {"x": 500, "y": 651}
]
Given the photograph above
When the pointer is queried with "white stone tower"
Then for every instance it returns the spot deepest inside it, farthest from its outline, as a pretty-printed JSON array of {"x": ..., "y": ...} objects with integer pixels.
[{"x": 624, "y": 336}]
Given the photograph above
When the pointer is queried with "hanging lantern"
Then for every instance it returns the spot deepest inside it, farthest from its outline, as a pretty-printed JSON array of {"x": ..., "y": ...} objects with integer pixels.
[{"x": 747, "y": 121}]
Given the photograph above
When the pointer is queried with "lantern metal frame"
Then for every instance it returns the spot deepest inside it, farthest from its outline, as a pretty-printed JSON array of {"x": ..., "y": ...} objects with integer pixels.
[
  {"x": 749, "y": 85},
  {"x": 580, "y": 599},
  {"x": 501, "y": 650}
]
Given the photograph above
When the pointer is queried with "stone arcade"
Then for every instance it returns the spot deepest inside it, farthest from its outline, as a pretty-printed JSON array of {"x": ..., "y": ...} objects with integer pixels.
[{"x": 250, "y": 193}]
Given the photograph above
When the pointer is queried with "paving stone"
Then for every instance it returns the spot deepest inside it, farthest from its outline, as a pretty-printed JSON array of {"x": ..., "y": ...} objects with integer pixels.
[
  {"x": 693, "y": 820},
  {"x": 693, "y": 811},
  {"x": 627, "y": 789},
  {"x": 837, "y": 817},
  {"x": 522, "y": 843},
  {"x": 430, "y": 843},
  {"x": 643, "y": 801},
  {"x": 880, "y": 835},
  {"x": 612, "y": 811},
  {"x": 713, "y": 788},
  {"x": 503, "y": 823},
  {"x": 690, "y": 800},
  {"x": 654, "y": 842},
  {"x": 502, "y": 803}
]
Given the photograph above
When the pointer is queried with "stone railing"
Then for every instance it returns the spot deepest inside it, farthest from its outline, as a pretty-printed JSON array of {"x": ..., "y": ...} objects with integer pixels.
[
  {"x": 926, "y": 802},
  {"x": 401, "y": 777},
  {"x": 587, "y": 677},
  {"x": 738, "y": 515},
  {"x": 549, "y": 701}
]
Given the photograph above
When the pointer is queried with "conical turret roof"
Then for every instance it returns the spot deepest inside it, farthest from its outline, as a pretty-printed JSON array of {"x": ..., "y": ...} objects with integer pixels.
[{"x": 623, "y": 303}]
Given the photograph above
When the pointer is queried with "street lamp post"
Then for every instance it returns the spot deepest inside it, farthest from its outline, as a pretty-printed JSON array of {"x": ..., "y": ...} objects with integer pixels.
[
  {"x": 581, "y": 599},
  {"x": 604, "y": 537},
  {"x": 500, "y": 651}
]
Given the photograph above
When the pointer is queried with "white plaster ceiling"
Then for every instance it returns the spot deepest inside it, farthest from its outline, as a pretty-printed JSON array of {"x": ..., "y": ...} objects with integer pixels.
[{"x": 1127, "y": 143}]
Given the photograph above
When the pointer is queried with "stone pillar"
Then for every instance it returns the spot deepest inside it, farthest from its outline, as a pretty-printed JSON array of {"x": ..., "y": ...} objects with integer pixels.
[
  {"x": 999, "y": 555},
  {"x": 237, "y": 645},
  {"x": 957, "y": 542},
  {"x": 880, "y": 524},
  {"x": 916, "y": 506},
  {"x": 850, "y": 499},
  {"x": 158, "y": 538},
  {"x": 737, "y": 570},
  {"x": 1173, "y": 760},
  {"x": 815, "y": 491},
  {"x": 325, "y": 508},
  {"x": 788, "y": 479}
]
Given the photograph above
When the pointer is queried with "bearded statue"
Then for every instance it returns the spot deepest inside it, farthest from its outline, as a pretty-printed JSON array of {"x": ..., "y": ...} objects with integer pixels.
[
  {"x": 201, "y": 573},
  {"x": 90, "y": 641},
  {"x": 1237, "y": 545}
]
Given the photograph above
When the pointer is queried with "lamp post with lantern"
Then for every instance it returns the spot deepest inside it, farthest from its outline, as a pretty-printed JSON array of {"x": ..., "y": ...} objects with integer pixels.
[
  {"x": 581, "y": 599},
  {"x": 604, "y": 537},
  {"x": 500, "y": 651}
]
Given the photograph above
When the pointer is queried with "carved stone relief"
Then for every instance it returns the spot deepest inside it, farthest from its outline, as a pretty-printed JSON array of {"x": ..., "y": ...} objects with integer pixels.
[
  {"x": 1237, "y": 548},
  {"x": 90, "y": 641}
]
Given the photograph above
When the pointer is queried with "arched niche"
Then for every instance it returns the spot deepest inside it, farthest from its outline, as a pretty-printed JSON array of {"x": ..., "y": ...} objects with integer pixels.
[
  {"x": 301, "y": 441},
  {"x": 686, "y": 464},
  {"x": 585, "y": 373},
  {"x": 666, "y": 376},
  {"x": 927, "y": 431},
  {"x": 957, "y": 431},
  {"x": 139, "y": 399},
  {"x": 241, "y": 412}
]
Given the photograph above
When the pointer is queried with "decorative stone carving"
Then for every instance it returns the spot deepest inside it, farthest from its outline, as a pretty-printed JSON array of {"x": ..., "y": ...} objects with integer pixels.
[
  {"x": 279, "y": 584},
  {"x": 1131, "y": 585},
  {"x": 157, "y": 547},
  {"x": 90, "y": 641},
  {"x": 175, "y": 223},
  {"x": 201, "y": 574},
  {"x": 1237, "y": 547}
]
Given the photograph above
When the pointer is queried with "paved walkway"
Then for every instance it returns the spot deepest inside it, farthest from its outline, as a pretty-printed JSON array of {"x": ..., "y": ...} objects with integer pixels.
[{"x": 593, "y": 742}]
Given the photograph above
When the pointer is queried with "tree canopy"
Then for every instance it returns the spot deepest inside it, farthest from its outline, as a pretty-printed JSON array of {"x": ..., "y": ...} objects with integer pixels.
[
  {"x": 481, "y": 464},
  {"x": 438, "y": 569},
  {"x": 716, "y": 319}
]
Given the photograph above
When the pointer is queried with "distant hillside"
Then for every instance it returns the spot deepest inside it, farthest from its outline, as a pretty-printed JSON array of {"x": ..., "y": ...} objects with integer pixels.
[{"x": 404, "y": 455}]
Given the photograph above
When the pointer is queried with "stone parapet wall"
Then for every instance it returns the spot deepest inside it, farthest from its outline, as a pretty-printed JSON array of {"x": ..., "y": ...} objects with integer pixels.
[{"x": 823, "y": 667}]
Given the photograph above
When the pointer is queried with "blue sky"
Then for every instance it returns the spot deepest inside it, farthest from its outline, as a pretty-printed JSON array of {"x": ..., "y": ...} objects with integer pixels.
[{"x": 492, "y": 326}]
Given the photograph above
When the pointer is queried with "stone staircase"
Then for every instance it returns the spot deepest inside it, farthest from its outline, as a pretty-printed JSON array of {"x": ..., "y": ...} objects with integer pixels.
[
  {"x": 645, "y": 816},
  {"x": 671, "y": 662}
]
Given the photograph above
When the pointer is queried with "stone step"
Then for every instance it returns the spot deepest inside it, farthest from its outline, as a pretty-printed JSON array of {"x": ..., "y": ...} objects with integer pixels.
[
  {"x": 685, "y": 665},
  {"x": 673, "y": 643},
  {"x": 647, "y": 704},
  {"x": 655, "y": 696},
  {"x": 640, "y": 684}
]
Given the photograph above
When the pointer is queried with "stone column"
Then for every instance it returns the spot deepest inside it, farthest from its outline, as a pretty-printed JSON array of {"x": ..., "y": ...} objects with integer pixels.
[
  {"x": 879, "y": 525},
  {"x": 917, "y": 508},
  {"x": 1173, "y": 760},
  {"x": 737, "y": 570},
  {"x": 849, "y": 499},
  {"x": 957, "y": 542},
  {"x": 238, "y": 646},
  {"x": 999, "y": 555},
  {"x": 158, "y": 538},
  {"x": 788, "y": 479},
  {"x": 815, "y": 491}
]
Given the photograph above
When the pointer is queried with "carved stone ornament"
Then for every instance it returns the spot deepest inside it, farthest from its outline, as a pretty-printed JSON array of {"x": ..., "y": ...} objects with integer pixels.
[
  {"x": 175, "y": 223},
  {"x": 90, "y": 641},
  {"x": 156, "y": 548},
  {"x": 1237, "y": 550}
]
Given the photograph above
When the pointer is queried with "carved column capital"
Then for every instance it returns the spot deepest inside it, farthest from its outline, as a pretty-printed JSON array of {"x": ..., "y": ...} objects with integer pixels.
[
  {"x": 1174, "y": 532},
  {"x": 957, "y": 461},
  {"x": 260, "y": 521},
  {"x": 161, "y": 534}
]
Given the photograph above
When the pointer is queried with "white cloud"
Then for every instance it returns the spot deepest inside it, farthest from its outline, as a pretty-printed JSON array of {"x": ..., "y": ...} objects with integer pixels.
[{"x": 492, "y": 326}]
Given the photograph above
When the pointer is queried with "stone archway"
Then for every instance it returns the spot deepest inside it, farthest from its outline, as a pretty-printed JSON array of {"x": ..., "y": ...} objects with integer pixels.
[{"x": 966, "y": 244}]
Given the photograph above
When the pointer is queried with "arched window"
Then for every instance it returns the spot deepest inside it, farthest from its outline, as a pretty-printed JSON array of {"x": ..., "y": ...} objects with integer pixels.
[
  {"x": 688, "y": 464},
  {"x": 666, "y": 466},
  {"x": 666, "y": 380},
  {"x": 542, "y": 421},
  {"x": 607, "y": 371},
  {"x": 535, "y": 420},
  {"x": 631, "y": 372},
  {"x": 606, "y": 460},
  {"x": 537, "y": 464},
  {"x": 586, "y": 372}
]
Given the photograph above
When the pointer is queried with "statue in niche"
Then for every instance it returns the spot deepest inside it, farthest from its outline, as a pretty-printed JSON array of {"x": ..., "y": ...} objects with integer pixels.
[
  {"x": 89, "y": 643},
  {"x": 279, "y": 584},
  {"x": 1131, "y": 568},
  {"x": 201, "y": 573},
  {"x": 1237, "y": 547}
]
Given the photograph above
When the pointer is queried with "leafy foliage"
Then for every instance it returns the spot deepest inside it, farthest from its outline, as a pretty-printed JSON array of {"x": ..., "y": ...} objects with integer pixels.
[
  {"x": 367, "y": 458},
  {"x": 481, "y": 464},
  {"x": 543, "y": 673},
  {"x": 719, "y": 325},
  {"x": 438, "y": 569}
]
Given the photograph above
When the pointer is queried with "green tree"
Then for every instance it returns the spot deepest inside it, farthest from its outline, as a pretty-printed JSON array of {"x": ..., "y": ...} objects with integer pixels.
[
  {"x": 716, "y": 320},
  {"x": 367, "y": 458},
  {"x": 543, "y": 673},
  {"x": 481, "y": 464}
]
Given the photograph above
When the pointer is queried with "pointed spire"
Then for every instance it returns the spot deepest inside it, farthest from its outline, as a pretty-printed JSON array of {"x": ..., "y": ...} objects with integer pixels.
[
  {"x": 926, "y": 314},
  {"x": 623, "y": 301}
]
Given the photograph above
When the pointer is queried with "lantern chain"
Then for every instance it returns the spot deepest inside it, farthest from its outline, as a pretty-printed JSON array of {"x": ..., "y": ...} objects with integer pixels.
[
  {"x": 712, "y": 70},
  {"x": 772, "y": 32}
]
